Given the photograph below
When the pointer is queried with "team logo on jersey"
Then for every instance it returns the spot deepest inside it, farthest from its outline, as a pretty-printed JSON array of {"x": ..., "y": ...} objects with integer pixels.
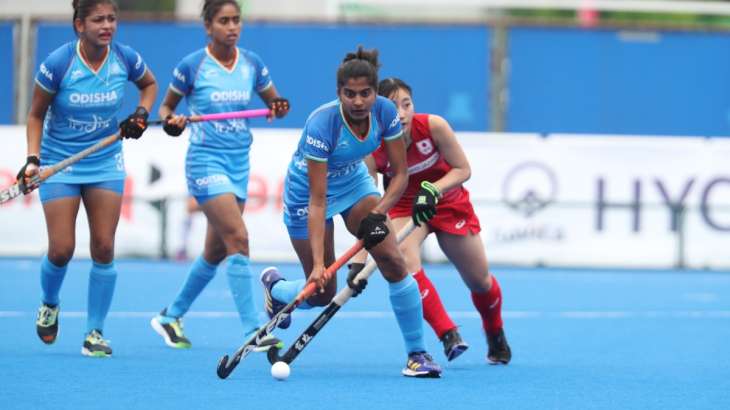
[
  {"x": 343, "y": 143},
  {"x": 245, "y": 72},
  {"x": 316, "y": 143},
  {"x": 89, "y": 126},
  {"x": 46, "y": 72},
  {"x": 395, "y": 122},
  {"x": 344, "y": 169},
  {"x": 76, "y": 74},
  {"x": 101, "y": 98},
  {"x": 177, "y": 74},
  {"x": 230, "y": 96},
  {"x": 115, "y": 69},
  {"x": 424, "y": 147},
  {"x": 236, "y": 126}
]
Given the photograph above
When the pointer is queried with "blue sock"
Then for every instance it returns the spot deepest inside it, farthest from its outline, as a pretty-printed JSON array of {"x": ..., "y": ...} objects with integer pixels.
[
  {"x": 51, "y": 280},
  {"x": 241, "y": 283},
  {"x": 406, "y": 302},
  {"x": 201, "y": 272},
  {"x": 102, "y": 279},
  {"x": 287, "y": 290}
]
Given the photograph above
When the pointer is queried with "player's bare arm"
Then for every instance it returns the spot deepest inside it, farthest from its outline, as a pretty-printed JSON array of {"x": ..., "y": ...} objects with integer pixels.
[
  {"x": 396, "y": 150},
  {"x": 447, "y": 144}
]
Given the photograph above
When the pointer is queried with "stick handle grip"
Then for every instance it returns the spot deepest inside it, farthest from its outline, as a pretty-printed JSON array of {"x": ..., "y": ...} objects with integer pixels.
[{"x": 262, "y": 112}]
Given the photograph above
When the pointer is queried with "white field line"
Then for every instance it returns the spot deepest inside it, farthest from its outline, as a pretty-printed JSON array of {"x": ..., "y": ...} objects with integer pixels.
[{"x": 510, "y": 314}]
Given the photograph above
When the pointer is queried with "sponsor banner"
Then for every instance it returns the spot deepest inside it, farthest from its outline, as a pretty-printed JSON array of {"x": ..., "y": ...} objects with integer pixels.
[
  {"x": 562, "y": 200},
  {"x": 600, "y": 201}
]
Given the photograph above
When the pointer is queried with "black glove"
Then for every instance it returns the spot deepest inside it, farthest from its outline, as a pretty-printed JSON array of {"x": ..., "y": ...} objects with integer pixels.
[
  {"x": 355, "y": 268},
  {"x": 372, "y": 230},
  {"x": 20, "y": 178},
  {"x": 280, "y": 106},
  {"x": 424, "y": 205},
  {"x": 135, "y": 124},
  {"x": 172, "y": 129}
]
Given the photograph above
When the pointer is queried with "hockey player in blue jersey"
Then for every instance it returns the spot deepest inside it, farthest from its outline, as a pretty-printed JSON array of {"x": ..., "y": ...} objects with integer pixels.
[
  {"x": 218, "y": 78},
  {"x": 326, "y": 177},
  {"x": 78, "y": 92}
]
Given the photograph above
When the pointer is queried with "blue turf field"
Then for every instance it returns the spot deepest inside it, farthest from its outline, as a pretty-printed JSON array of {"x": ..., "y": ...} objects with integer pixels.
[{"x": 581, "y": 340}]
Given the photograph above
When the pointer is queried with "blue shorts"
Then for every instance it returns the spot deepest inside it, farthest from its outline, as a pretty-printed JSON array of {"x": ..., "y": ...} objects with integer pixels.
[
  {"x": 302, "y": 232},
  {"x": 212, "y": 172},
  {"x": 201, "y": 199},
  {"x": 296, "y": 208},
  {"x": 55, "y": 190}
]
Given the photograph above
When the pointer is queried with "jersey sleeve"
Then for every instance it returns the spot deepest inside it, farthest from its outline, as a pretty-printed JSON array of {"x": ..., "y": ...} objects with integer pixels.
[
  {"x": 135, "y": 63},
  {"x": 317, "y": 143},
  {"x": 263, "y": 78},
  {"x": 390, "y": 120},
  {"x": 182, "y": 78},
  {"x": 52, "y": 69}
]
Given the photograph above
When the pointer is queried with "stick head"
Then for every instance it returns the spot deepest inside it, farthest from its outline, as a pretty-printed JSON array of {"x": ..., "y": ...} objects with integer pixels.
[
  {"x": 224, "y": 369},
  {"x": 273, "y": 355}
]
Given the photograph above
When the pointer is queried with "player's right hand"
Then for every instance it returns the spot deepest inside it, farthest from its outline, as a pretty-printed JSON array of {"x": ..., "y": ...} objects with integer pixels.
[
  {"x": 174, "y": 125},
  {"x": 27, "y": 172},
  {"x": 318, "y": 278}
]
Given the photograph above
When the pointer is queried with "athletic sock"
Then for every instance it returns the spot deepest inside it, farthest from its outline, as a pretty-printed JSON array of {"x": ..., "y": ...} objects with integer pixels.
[
  {"x": 241, "y": 283},
  {"x": 406, "y": 302},
  {"x": 201, "y": 272},
  {"x": 489, "y": 306},
  {"x": 286, "y": 291},
  {"x": 433, "y": 310},
  {"x": 51, "y": 280},
  {"x": 102, "y": 279}
]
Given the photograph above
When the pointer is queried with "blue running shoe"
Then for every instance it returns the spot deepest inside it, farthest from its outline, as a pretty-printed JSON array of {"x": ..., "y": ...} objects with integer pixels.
[
  {"x": 269, "y": 277},
  {"x": 421, "y": 364}
]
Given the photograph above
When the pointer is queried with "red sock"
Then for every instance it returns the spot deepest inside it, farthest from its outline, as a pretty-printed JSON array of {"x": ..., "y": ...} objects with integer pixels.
[
  {"x": 433, "y": 309},
  {"x": 489, "y": 306}
]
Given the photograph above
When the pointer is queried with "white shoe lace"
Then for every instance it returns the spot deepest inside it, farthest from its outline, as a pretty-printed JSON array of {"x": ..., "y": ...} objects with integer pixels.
[
  {"x": 47, "y": 316},
  {"x": 97, "y": 339}
]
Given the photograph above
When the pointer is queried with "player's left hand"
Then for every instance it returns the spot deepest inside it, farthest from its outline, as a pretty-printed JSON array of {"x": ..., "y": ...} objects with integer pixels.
[
  {"x": 280, "y": 106},
  {"x": 424, "y": 205},
  {"x": 318, "y": 278},
  {"x": 355, "y": 268},
  {"x": 135, "y": 124},
  {"x": 174, "y": 125},
  {"x": 373, "y": 229}
]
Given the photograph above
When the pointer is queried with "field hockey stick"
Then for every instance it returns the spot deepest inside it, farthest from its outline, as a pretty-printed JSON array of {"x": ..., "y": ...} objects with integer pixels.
[
  {"x": 337, "y": 302},
  {"x": 262, "y": 112},
  {"x": 225, "y": 366},
  {"x": 14, "y": 191}
]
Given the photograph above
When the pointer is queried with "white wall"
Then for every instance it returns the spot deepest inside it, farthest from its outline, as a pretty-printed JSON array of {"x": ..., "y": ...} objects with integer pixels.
[{"x": 539, "y": 199}]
